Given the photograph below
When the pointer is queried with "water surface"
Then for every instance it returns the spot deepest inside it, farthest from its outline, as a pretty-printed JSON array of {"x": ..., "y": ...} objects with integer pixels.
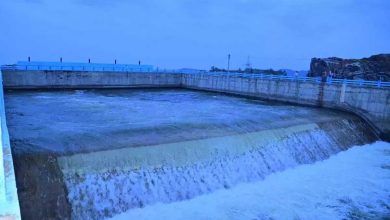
[{"x": 92, "y": 154}]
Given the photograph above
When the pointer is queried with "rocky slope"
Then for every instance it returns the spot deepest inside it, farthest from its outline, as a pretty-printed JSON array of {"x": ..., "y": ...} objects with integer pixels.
[{"x": 376, "y": 67}]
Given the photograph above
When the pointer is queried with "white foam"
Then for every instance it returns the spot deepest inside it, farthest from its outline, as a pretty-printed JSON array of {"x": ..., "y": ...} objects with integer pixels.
[
  {"x": 354, "y": 183},
  {"x": 103, "y": 194}
]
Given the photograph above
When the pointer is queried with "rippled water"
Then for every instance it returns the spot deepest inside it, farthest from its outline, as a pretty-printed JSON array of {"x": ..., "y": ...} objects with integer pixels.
[
  {"x": 109, "y": 151},
  {"x": 74, "y": 121}
]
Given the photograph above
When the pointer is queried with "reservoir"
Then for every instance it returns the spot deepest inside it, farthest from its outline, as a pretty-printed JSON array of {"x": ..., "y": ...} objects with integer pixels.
[{"x": 94, "y": 154}]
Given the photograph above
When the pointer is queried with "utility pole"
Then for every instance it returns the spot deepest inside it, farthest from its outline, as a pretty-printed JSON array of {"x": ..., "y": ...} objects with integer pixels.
[
  {"x": 228, "y": 67},
  {"x": 248, "y": 64}
]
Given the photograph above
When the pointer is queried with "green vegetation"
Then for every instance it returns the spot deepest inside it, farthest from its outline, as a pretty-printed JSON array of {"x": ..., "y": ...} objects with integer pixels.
[{"x": 249, "y": 70}]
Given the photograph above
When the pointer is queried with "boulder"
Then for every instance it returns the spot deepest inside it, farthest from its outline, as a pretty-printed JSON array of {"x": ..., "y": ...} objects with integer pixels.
[{"x": 375, "y": 68}]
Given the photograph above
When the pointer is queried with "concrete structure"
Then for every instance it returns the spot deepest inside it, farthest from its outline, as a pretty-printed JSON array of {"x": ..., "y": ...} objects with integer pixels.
[
  {"x": 76, "y": 80},
  {"x": 9, "y": 205},
  {"x": 370, "y": 103},
  {"x": 36, "y": 65}
]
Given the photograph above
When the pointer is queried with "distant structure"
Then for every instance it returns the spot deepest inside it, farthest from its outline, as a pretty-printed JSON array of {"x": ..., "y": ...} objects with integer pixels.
[
  {"x": 191, "y": 70},
  {"x": 36, "y": 65}
]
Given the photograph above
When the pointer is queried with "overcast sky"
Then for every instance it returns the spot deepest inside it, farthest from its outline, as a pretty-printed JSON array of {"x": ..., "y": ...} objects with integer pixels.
[{"x": 193, "y": 33}]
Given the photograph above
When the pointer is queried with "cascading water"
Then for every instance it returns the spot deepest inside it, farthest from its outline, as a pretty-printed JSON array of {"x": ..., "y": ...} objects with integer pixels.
[
  {"x": 120, "y": 186},
  {"x": 170, "y": 145}
]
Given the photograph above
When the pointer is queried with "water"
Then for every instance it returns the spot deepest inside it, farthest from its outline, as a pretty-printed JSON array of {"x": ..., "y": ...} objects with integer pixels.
[
  {"x": 354, "y": 184},
  {"x": 105, "y": 152},
  {"x": 66, "y": 122}
]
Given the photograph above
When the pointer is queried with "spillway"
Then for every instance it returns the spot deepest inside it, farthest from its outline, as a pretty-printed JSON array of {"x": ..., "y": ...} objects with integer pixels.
[{"x": 93, "y": 154}]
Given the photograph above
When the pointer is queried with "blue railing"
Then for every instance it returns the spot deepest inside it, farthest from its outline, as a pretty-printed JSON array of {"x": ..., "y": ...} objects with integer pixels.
[{"x": 149, "y": 68}]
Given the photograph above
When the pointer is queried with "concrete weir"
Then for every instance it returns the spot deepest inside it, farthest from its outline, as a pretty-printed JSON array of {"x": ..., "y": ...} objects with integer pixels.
[
  {"x": 135, "y": 177},
  {"x": 91, "y": 153},
  {"x": 370, "y": 103}
]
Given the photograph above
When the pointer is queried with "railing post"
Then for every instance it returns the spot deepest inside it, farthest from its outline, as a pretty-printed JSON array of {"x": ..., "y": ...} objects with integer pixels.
[
  {"x": 379, "y": 83},
  {"x": 342, "y": 95}
]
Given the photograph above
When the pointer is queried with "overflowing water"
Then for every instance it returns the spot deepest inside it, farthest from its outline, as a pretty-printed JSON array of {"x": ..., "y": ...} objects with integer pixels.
[
  {"x": 354, "y": 184},
  {"x": 119, "y": 188},
  {"x": 106, "y": 152}
]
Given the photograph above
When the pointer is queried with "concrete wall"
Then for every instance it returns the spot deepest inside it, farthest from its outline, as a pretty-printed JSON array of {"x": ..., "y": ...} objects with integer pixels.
[
  {"x": 67, "y": 79},
  {"x": 372, "y": 104},
  {"x": 9, "y": 203}
]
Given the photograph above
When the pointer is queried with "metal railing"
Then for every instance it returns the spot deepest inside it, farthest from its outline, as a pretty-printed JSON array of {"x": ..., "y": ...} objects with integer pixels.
[
  {"x": 131, "y": 68},
  {"x": 329, "y": 81}
]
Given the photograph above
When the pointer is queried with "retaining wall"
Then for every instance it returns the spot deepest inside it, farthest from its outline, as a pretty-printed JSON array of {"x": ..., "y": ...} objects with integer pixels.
[
  {"x": 370, "y": 103},
  {"x": 9, "y": 203},
  {"x": 20, "y": 79}
]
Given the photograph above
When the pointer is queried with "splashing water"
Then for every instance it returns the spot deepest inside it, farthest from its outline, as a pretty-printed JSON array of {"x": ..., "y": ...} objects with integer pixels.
[
  {"x": 354, "y": 184},
  {"x": 96, "y": 193}
]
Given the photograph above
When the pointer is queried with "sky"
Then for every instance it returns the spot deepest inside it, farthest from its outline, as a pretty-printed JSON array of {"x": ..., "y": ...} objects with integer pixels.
[{"x": 193, "y": 33}]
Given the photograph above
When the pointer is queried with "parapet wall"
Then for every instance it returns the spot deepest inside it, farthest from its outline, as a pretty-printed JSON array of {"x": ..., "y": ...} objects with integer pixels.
[
  {"x": 9, "y": 203},
  {"x": 20, "y": 79},
  {"x": 370, "y": 103}
]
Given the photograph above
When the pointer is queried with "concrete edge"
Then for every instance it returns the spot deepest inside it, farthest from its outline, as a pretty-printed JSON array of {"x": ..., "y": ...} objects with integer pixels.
[
  {"x": 382, "y": 135},
  {"x": 144, "y": 86},
  {"x": 9, "y": 202}
]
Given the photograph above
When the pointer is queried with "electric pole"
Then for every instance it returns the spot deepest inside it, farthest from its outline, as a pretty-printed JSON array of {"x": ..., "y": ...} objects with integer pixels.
[
  {"x": 248, "y": 64},
  {"x": 228, "y": 67}
]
